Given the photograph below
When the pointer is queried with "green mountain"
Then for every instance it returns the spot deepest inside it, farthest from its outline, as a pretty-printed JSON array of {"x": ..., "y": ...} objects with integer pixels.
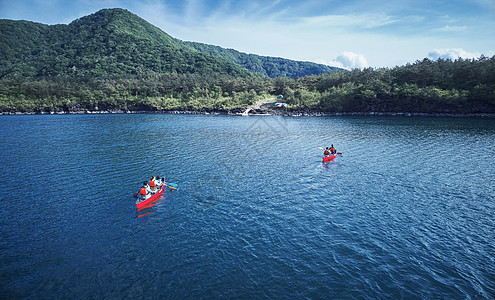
[
  {"x": 115, "y": 61},
  {"x": 115, "y": 42},
  {"x": 266, "y": 65},
  {"x": 111, "y": 42}
]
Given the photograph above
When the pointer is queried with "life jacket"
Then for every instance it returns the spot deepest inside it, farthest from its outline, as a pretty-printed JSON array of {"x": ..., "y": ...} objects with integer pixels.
[
  {"x": 332, "y": 149},
  {"x": 143, "y": 191},
  {"x": 152, "y": 184},
  {"x": 326, "y": 152}
]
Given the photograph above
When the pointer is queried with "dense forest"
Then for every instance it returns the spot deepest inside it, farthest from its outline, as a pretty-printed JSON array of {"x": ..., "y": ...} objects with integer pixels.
[
  {"x": 115, "y": 61},
  {"x": 443, "y": 86},
  {"x": 265, "y": 65}
]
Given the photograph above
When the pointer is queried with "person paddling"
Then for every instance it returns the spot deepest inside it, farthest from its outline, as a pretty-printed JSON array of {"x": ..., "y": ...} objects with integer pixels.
[
  {"x": 326, "y": 152},
  {"x": 152, "y": 184},
  {"x": 144, "y": 190},
  {"x": 332, "y": 150},
  {"x": 159, "y": 182}
]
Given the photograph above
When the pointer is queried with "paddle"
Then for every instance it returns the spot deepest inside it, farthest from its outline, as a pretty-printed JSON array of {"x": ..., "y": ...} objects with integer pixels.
[{"x": 172, "y": 186}]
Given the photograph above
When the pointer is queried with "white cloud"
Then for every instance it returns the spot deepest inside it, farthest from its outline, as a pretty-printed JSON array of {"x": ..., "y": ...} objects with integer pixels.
[
  {"x": 452, "y": 53},
  {"x": 367, "y": 21},
  {"x": 490, "y": 4},
  {"x": 454, "y": 29},
  {"x": 350, "y": 60}
]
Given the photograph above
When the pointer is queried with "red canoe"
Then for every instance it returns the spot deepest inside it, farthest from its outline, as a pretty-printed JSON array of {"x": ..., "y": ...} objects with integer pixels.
[
  {"x": 329, "y": 158},
  {"x": 140, "y": 204}
]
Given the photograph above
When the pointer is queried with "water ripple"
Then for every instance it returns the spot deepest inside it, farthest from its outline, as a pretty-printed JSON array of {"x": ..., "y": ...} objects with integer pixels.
[{"x": 406, "y": 212}]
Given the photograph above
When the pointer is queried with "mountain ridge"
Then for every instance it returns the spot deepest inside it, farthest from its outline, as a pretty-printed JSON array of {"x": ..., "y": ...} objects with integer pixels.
[
  {"x": 110, "y": 42},
  {"x": 116, "y": 42},
  {"x": 268, "y": 66}
]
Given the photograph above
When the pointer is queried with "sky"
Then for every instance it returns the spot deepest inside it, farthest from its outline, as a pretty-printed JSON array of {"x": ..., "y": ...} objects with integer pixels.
[{"x": 343, "y": 33}]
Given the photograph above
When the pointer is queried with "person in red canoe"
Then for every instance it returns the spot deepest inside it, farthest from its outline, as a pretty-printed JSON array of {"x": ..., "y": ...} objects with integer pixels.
[
  {"x": 326, "y": 152},
  {"x": 144, "y": 190},
  {"x": 159, "y": 182},
  {"x": 332, "y": 150},
  {"x": 153, "y": 184}
]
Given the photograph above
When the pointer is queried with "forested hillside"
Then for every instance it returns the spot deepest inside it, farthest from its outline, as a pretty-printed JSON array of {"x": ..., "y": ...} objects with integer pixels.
[
  {"x": 111, "y": 42},
  {"x": 443, "y": 86},
  {"x": 265, "y": 65},
  {"x": 116, "y": 42}
]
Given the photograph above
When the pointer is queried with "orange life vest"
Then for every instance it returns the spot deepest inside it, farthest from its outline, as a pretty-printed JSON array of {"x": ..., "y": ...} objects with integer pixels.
[
  {"x": 143, "y": 191},
  {"x": 326, "y": 152},
  {"x": 152, "y": 184},
  {"x": 332, "y": 149}
]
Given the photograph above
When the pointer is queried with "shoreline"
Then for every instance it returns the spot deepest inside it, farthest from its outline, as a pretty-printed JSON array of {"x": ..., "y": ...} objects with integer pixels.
[{"x": 260, "y": 113}]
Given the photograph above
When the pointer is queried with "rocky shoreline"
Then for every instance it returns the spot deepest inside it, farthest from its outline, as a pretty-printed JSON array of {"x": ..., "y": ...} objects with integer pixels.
[
  {"x": 263, "y": 107},
  {"x": 261, "y": 112}
]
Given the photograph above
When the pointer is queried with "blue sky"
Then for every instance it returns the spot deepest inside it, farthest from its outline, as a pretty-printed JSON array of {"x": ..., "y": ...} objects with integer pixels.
[{"x": 345, "y": 33}]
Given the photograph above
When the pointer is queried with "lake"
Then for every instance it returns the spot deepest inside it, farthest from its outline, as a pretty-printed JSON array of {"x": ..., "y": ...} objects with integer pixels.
[{"x": 407, "y": 210}]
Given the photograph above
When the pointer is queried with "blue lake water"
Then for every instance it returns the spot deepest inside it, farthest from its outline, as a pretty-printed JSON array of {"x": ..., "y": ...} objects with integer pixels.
[{"x": 407, "y": 210}]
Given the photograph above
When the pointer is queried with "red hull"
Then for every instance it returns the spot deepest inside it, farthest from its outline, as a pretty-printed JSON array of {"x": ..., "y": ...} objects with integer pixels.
[
  {"x": 142, "y": 204},
  {"x": 329, "y": 158}
]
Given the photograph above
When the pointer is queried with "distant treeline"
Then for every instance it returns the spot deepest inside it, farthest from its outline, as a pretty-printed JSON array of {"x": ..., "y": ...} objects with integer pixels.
[{"x": 443, "y": 86}]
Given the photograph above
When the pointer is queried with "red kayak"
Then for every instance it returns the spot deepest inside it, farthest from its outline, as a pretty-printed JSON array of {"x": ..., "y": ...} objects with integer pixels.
[
  {"x": 329, "y": 158},
  {"x": 140, "y": 204}
]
